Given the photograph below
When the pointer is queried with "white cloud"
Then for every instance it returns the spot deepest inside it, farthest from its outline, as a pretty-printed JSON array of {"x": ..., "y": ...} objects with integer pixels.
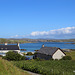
[
  {"x": 19, "y": 36},
  {"x": 62, "y": 33},
  {"x": 16, "y": 36},
  {"x": 38, "y": 33},
  {"x": 68, "y": 32}
]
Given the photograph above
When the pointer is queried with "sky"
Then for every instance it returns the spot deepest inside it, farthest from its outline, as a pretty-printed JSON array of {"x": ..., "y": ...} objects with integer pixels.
[{"x": 52, "y": 19}]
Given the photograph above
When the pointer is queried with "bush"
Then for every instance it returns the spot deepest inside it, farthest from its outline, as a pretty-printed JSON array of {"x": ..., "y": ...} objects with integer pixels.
[
  {"x": 24, "y": 54},
  {"x": 56, "y": 59},
  {"x": 51, "y": 59},
  {"x": 38, "y": 59},
  {"x": 67, "y": 58},
  {"x": 48, "y": 67},
  {"x": 3, "y": 57},
  {"x": 29, "y": 53},
  {"x": 13, "y": 56}
]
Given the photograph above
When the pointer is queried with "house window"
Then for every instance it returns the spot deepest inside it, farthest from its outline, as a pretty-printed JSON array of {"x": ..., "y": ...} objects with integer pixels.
[{"x": 1, "y": 48}]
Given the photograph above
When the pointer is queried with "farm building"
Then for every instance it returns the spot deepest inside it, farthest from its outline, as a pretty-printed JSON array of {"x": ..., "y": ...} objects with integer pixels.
[
  {"x": 5, "y": 48},
  {"x": 49, "y": 52}
]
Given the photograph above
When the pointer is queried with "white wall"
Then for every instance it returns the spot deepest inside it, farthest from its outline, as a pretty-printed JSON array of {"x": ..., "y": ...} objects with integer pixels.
[
  {"x": 5, "y": 51},
  {"x": 58, "y": 54}
]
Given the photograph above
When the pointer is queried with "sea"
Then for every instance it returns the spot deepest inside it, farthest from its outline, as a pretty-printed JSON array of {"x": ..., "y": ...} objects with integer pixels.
[{"x": 31, "y": 47}]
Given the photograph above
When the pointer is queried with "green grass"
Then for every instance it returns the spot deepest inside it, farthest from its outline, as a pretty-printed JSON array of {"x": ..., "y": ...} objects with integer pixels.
[
  {"x": 72, "y": 54},
  {"x": 50, "y": 67},
  {"x": 6, "y": 68}
]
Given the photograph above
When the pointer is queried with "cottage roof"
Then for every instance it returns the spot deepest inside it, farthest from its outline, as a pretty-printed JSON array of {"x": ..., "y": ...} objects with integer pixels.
[
  {"x": 9, "y": 47},
  {"x": 48, "y": 50}
]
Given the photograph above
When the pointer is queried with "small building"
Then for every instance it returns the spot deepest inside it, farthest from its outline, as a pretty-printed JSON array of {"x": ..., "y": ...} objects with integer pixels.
[
  {"x": 5, "y": 48},
  {"x": 49, "y": 52}
]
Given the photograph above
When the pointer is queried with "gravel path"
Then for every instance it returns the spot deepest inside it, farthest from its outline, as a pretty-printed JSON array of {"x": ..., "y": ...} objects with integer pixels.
[{"x": 32, "y": 73}]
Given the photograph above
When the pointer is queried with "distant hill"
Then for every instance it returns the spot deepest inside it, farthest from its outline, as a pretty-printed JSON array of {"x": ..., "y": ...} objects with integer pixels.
[
  {"x": 26, "y": 40},
  {"x": 6, "y": 68}
]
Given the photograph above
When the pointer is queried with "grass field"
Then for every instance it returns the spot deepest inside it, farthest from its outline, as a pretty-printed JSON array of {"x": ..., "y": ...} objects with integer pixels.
[
  {"x": 50, "y": 67},
  {"x": 72, "y": 54},
  {"x": 6, "y": 68}
]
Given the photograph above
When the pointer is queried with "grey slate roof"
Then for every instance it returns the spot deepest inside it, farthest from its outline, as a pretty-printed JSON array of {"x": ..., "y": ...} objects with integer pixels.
[
  {"x": 9, "y": 47},
  {"x": 48, "y": 50}
]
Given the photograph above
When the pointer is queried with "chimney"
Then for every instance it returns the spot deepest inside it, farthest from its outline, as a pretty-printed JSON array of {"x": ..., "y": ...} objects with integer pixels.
[
  {"x": 43, "y": 45},
  {"x": 18, "y": 44},
  {"x": 6, "y": 43}
]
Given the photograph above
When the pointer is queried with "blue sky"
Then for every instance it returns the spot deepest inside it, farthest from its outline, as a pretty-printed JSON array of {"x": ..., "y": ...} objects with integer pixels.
[{"x": 37, "y": 19}]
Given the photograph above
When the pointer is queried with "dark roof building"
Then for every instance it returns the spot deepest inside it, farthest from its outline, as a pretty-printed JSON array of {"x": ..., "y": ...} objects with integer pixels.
[
  {"x": 9, "y": 47},
  {"x": 50, "y": 52},
  {"x": 5, "y": 48}
]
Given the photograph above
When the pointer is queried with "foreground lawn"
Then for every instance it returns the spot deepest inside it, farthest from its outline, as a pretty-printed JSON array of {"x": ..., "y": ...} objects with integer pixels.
[
  {"x": 6, "y": 68},
  {"x": 50, "y": 67},
  {"x": 72, "y": 54}
]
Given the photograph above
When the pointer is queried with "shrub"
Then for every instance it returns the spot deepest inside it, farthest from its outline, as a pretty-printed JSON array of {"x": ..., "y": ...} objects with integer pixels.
[
  {"x": 29, "y": 53},
  {"x": 38, "y": 59},
  {"x": 67, "y": 58},
  {"x": 23, "y": 57},
  {"x": 24, "y": 54},
  {"x": 51, "y": 59},
  {"x": 3, "y": 57},
  {"x": 56, "y": 59},
  {"x": 48, "y": 67},
  {"x": 13, "y": 56},
  {"x": 35, "y": 53}
]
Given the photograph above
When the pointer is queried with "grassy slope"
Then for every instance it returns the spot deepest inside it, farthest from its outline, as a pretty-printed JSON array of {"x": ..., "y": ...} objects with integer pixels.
[
  {"x": 72, "y": 54},
  {"x": 50, "y": 67},
  {"x": 62, "y": 67},
  {"x": 6, "y": 68}
]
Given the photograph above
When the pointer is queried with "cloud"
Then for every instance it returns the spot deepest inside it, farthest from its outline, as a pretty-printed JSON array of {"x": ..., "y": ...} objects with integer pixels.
[
  {"x": 63, "y": 32},
  {"x": 19, "y": 36},
  {"x": 16, "y": 36}
]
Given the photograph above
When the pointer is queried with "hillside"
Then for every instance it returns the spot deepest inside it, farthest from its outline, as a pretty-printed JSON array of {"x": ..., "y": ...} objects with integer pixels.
[
  {"x": 6, "y": 68},
  {"x": 48, "y": 67},
  {"x": 24, "y": 40}
]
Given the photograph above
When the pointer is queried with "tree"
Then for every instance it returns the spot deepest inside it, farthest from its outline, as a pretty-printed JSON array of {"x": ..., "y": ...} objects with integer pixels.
[
  {"x": 67, "y": 58},
  {"x": 29, "y": 53},
  {"x": 13, "y": 56}
]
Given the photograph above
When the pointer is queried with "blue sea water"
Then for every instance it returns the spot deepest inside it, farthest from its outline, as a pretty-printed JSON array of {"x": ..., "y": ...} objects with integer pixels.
[{"x": 30, "y": 47}]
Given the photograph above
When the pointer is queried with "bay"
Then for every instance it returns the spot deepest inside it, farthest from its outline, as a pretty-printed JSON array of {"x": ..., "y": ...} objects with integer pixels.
[{"x": 30, "y": 47}]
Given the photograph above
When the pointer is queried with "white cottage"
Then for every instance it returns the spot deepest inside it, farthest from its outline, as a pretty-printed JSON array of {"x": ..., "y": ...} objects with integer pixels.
[
  {"x": 5, "y": 48},
  {"x": 49, "y": 52}
]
